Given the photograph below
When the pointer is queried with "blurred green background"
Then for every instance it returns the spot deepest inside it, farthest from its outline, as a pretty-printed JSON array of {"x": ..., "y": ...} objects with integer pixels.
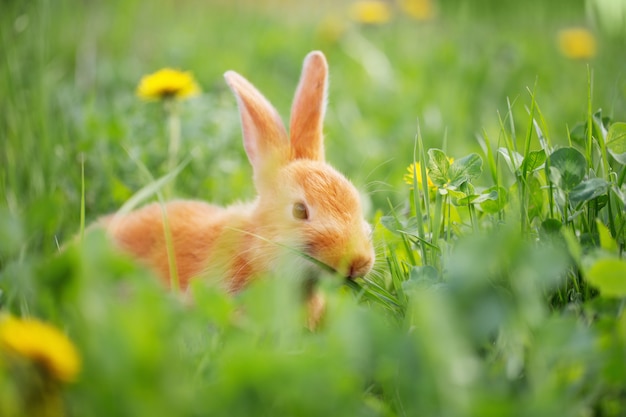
[
  {"x": 70, "y": 69},
  {"x": 517, "y": 333}
]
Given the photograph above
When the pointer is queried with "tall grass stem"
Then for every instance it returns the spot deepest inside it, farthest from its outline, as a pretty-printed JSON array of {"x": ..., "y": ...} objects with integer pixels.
[{"x": 174, "y": 133}]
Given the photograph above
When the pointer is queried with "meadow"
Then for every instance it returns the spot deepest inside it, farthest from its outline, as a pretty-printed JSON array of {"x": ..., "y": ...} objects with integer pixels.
[{"x": 488, "y": 139}]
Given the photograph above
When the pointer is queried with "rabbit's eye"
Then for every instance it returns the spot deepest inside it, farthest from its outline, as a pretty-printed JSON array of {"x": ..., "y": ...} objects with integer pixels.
[{"x": 300, "y": 211}]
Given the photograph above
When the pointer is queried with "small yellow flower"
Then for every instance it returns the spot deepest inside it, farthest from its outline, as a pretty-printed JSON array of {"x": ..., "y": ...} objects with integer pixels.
[
  {"x": 415, "y": 168},
  {"x": 418, "y": 9},
  {"x": 41, "y": 343},
  {"x": 370, "y": 11},
  {"x": 577, "y": 43},
  {"x": 167, "y": 83}
]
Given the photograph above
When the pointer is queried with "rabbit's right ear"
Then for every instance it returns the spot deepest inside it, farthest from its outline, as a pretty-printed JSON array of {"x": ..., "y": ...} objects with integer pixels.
[
  {"x": 309, "y": 106},
  {"x": 264, "y": 135}
]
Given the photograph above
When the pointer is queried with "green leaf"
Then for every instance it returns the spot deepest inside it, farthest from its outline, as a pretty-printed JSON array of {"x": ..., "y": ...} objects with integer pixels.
[
  {"x": 616, "y": 142},
  {"x": 458, "y": 197},
  {"x": 421, "y": 277},
  {"x": 465, "y": 169},
  {"x": 609, "y": 276},
  {"x": 534, "y": 160},
  {"x": 467, "y": 188},
  {"x": 487, "y": 195},
  {"x": 550, "y": 227},
  {"x": 391, "y": 223},
  {"x": 396, "y": 226},
  {"x": 464, "y": 200},
  {"x": 536, "y": 197},
  {"x": 492, "y": 205},
  {"x": 600, "y": 124},
  {"x": 606, "y": 240},
  {"x": 150, "y": 189},
  {"x": 567, "y": 168},
  {"x": 573, "y": 245},
  {"x": 578, "y": 135},
  {"x": 439, "y": 167},
  {"x": 588, "y": 190},
  {"x": 490, "y": 194}
]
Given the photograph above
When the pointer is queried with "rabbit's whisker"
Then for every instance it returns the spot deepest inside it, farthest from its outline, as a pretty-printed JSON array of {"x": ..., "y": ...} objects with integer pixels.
[{"x": 296, "y": 251}]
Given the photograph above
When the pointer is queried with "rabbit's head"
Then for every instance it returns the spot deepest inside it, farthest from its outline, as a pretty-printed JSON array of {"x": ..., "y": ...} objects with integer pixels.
[{"x": 303, "y": 202}]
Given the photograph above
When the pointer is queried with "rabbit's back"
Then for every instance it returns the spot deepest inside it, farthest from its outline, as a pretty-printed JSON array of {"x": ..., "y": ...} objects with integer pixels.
[{"x": 194, "y": 228}]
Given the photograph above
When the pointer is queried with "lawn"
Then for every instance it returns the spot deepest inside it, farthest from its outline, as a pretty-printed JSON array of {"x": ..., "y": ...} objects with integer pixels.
[{"x": 489, "y": 143}]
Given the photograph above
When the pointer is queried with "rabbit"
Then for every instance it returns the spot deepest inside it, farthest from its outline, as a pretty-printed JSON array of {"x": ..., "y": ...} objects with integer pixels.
[{"x": 302, "y": 203}]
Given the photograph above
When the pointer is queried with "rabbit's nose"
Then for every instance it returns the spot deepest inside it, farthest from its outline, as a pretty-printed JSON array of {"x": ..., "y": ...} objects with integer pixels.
[{"x": 359, "y": 266}]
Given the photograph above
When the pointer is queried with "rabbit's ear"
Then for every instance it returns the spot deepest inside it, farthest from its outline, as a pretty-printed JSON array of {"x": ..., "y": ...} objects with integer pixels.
[
  {"x": 264, "y": 136},
  {"x": 307, "y": 111}
]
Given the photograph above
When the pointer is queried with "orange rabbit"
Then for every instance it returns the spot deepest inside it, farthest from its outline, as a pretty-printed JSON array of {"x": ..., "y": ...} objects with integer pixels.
[{"x": 302, "y": 203}]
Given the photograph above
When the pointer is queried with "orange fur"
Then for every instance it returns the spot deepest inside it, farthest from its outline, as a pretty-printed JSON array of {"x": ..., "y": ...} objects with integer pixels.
[
  {"x": 237, "y": 243},
  {"x": 195, "y": 229}
]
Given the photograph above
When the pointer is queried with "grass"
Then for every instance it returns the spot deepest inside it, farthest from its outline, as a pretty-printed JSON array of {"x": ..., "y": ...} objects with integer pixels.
[{"x": 498, "y": 290}]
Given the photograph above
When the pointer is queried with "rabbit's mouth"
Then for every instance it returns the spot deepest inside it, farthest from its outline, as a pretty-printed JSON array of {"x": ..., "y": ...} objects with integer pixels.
[{"x": 318, "y": 267}]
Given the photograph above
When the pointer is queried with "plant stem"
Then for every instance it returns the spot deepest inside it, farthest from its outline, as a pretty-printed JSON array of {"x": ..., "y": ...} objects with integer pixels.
[
  {"x": 523, "y": 204},
  {"x": 589, "y": 143},
  {"x": 169, "y": 246},
  {"x": 418, "y": 148},
  {"x": 173, "y": 130},
  {"x": 437, "y": 218},
  {"x": 566, "y": 210},
  {"x": 472, "y": 215}
]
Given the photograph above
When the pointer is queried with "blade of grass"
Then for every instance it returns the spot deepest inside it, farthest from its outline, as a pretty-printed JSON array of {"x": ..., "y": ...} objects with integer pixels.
[
  {"x": 366, "y": 292},
  {"x": 373, "y": 288},
  {"x": 509, "y": 116},
  {"x": 589, "y": 143},
  {"x": 154, "y": 187},
  {"x": 397, "y": 275},
  {"x": 418, "y": 147},
  {"x": 82, "y": 197},
  {"x": 424, "y": 173},
  {"x": 485, "y": 145},
  {"x": 492, "y": 162},
  {"x": 407, "y": 245},
  {"x": 420, "y": 240},
  {"x": 541, "y": 129},
  {"x": 529, "y": 131}
]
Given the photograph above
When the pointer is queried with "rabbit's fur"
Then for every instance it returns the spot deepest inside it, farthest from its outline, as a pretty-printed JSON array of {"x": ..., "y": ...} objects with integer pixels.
[{"x": 243, "y": 241}]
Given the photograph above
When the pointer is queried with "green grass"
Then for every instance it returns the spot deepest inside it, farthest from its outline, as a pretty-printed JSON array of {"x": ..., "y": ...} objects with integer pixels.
[{"x": 497, "y": 291}]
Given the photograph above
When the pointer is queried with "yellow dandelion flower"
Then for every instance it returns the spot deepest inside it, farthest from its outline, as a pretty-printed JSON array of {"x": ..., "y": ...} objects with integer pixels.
[
  {"x": 418, "y": 9},
  {"x": 577, "y": 43},
  {"x": 167, "y": 83},
  {"x": 416, "y": 168},
  {"x": 43, "y": 344},
  {"x": 370, "y": 12}
]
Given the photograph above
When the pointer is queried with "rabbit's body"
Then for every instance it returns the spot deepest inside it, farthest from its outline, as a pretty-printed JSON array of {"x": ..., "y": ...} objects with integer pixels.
[
  {"x": 303, "y": 203},
  {"x": 195, "y": 228}
]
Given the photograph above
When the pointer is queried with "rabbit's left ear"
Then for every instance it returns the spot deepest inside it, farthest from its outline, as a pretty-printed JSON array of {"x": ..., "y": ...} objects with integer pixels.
[
  {"x": 307, "y": 111},
  {"x": 264, "y": 135}
]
